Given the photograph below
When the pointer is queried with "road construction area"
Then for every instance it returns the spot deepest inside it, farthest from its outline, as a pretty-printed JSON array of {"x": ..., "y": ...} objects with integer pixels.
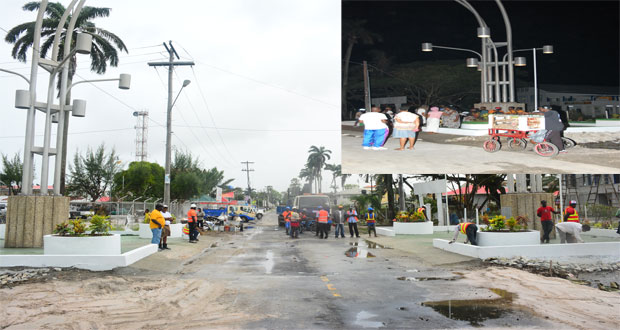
[
  {"x": 443, "y": 153},
  {"x": 262, "y": 279}
]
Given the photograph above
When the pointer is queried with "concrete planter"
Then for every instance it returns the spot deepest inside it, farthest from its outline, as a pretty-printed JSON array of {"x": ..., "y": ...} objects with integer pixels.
[
  {"x": 176, "y": 230},
  {"x": 508, "y": 238},
  {"x": 145, "y": 231},
  {"x": 88, "y": 245},
  {"x": 608, "y": 122},
  {"x": 475, "y": 125},
  {"x": 2, "y": 230},
  {"x": 413, "y": 228},
  {"x": 601, "y": 233}
]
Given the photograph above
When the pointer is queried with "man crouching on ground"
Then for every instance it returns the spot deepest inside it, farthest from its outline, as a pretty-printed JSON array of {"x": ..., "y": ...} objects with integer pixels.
[{"x": 468, "y": 229}]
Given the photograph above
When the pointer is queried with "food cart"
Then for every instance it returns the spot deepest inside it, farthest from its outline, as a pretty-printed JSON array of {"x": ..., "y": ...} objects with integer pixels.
[{"x": 518, "y": 129}]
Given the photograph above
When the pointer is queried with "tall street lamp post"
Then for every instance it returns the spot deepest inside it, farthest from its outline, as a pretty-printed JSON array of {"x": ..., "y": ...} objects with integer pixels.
[{"x": 169, "y": 140}]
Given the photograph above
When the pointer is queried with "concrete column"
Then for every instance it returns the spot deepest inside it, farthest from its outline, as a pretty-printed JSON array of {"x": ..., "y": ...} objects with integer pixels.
[
  {"x": 510, "y": 183},
  {"x": 29, "y": 218},
  {"x": 539, "y": 184},
  {"x": 521, "y": 183},
  {"x": 441, "y": 221}
]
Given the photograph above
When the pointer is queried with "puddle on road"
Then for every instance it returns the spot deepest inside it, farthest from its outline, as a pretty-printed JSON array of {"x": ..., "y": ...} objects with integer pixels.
[
  {"x": 358, "y": 252},
  {"x": 360, "y": 249},
  {"x": 421, "y": 279},
  {"x": 362, "y": 319},
  {"x": 475, "y": 310},
  {"x": 268, "y": 263}
]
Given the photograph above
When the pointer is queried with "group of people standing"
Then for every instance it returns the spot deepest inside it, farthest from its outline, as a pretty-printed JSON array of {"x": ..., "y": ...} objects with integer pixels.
[
  {"x": 295, "y": 222},
  {"x": 159, "y": 223},
  {"x": 381, "y": 124}
]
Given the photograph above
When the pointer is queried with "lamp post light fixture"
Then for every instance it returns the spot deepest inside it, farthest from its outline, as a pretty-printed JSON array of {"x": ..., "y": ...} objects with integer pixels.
[
  {"x": 547, "y": 49},
  {"x": 520, "y": 61},
  {"x": 427, "y": 47},
  {"x": 472, "y": 62},
  {"x": 484, "y": 32}
]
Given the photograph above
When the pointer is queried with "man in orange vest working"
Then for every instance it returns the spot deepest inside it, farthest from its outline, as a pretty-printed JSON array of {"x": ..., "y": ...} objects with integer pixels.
[
  {"x": 322, "y": 222},
  {"x": 287, "y": 219},
  {"x": 570, "y": 213},
  {"x": 371, "y": 221},
  {"x": 468, "y": 229},
  {"x": 192, "y": 222}
]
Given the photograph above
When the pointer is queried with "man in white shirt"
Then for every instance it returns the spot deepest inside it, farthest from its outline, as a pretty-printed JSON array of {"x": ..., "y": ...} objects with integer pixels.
[
  {"x": 569, "y": 231},
  {"x": 375, "y": 128},
  {"x": 166, "y": 232}
]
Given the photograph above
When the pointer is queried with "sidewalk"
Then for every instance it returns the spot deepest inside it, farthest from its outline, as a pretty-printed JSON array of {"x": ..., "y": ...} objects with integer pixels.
[{"x": 422, "y": 248}]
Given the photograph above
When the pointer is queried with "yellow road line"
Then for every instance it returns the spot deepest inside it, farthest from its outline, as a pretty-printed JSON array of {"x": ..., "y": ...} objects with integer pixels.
[
  {"x": 324, "y": 279},
  {"x": 330, "y": 287}
]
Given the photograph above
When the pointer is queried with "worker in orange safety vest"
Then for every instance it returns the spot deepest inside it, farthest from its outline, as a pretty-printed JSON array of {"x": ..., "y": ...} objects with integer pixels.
[
  {"x": 287, "y": 219},
  {"x": 570, "y": 213},
  {"x": 192, "y": 223},
  {"x": 322, "y": 222},
  {"x": 371, "y": 221}
]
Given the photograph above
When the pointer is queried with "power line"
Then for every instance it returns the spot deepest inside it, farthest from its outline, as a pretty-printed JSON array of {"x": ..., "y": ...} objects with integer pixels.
[
  {"x": 261, "y": 130},
  {"x": 269, "y": 85}
]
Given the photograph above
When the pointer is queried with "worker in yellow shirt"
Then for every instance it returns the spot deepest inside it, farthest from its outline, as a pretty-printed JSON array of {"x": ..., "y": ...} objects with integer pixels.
[{"x": 156, "y": 223}]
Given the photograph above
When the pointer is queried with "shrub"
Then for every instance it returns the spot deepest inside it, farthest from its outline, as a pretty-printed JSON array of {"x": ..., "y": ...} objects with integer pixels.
[
  {"x": 62, "y": 229},
  {"x": 99, "y": 225},
  {"x": 78, "y": 227}
]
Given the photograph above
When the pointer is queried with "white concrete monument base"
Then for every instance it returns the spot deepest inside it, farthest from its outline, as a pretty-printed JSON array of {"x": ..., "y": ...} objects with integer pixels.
[
  {"x": 486, "y": 238},
  {"x": 145, "y": 231},
  {"x": 413, "y": 228},
  {"x": 176, "y": 230},
  {"x": 88, "y": 245}
]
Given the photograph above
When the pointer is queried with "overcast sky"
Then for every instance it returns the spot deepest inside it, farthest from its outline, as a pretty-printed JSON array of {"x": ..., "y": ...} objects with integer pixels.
[{"x": 267, "y": 75}]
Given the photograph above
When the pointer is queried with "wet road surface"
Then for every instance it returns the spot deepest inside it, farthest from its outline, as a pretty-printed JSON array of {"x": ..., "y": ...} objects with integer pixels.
[{"x": 347, "y": 283}]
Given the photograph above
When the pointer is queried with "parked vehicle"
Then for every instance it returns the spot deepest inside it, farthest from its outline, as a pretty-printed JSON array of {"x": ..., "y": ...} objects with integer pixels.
[
  {"x": 311, "y": 203},
  {"x": 230, "y": 211}
]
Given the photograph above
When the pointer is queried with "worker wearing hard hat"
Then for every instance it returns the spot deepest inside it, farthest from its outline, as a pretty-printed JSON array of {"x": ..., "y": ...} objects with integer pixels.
[
  {"x": 339, "y": 217},
  {"x": 570, "y": 213},
  {"x": 166, "y": 231},
  {"x": 192, "y": 223},
  {"x": 371, "y": 221}
]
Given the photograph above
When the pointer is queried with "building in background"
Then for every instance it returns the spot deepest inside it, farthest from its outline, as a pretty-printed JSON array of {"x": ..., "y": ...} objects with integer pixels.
[{"x": 579, "y": 100}]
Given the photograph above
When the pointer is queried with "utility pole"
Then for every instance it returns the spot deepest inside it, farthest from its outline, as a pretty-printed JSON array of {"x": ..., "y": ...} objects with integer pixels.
[
  {"x": 170, "y": 64},
  {"x": 401, "y": 193},
  {"x": 366, "y": 88},
  {"x": 248, "y": 170}
]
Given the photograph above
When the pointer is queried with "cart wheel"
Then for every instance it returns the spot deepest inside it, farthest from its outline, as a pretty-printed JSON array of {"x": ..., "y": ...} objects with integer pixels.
[
  {"x": 517, "y": 144},
  {"x": 568, "y": 143},
  {"x": 546, "y": 149},
  {"x": 491, "y": 145}
]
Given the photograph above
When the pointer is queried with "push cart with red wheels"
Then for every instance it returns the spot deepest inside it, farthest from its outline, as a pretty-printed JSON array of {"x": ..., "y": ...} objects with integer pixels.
[
  {"x": 518, "y": 130},
  {"x": 517, "y": 140}
]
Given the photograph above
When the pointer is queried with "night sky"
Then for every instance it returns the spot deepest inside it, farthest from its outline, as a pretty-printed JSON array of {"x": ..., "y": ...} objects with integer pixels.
[{"x": 585, "y": 34}]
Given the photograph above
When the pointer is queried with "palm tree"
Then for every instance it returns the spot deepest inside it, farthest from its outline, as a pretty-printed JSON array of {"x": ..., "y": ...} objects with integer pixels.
[
  {"x": 353, "y": 32},
  {"x": 103, "y": 50},
  {"x": 308, "y": 174},
  {"x": 336, "y": 173},
  {"x": 316, "y": 161}
]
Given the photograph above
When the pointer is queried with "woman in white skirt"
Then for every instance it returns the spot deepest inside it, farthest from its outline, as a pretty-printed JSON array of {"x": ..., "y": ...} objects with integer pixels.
[
  {"x": 433, "y": 119},
  {"x": 405, "y": 127}
]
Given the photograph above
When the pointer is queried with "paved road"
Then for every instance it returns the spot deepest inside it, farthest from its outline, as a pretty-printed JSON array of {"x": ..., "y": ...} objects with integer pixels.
[
  {"x": 262, "y": 279},
  {"x": 311, "y": 283},
  {"x": 431, "y": 157}
]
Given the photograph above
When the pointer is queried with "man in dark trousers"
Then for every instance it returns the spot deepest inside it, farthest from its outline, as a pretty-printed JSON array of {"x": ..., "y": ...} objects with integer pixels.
[
  {"x": 554, "y": 127},
  {"x": 352, "y": 220},
  {"x": 546, "y": 219},
  {"x": 322, "y": 222},
  {"x": 192, "y": 223},
  {"x": 339, "y": 221},
  {"x": 467, "y": 228}
]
